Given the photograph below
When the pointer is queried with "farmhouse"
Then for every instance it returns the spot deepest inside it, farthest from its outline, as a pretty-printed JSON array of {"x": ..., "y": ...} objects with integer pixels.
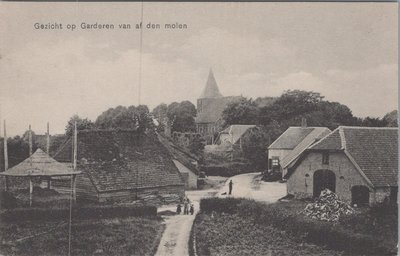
[
  {"x": 288, "y": 147},
  {"x": 210, "y": 106},
  {"x": 122, "y": 166},
  {"x": 360, "y": 164}
]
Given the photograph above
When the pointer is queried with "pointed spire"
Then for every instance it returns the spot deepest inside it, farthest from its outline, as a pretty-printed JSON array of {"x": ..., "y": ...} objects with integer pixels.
[{"x": 211, "y": 90}]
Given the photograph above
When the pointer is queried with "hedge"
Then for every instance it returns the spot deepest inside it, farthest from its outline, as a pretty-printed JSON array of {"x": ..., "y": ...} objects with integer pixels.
[
  {"x": 227, "y": 170},
  {"x": 320, "y": 233},
  {"x": 93, "y": 212}
]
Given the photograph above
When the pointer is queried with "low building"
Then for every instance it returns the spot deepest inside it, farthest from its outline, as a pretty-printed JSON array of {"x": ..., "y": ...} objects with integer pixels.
[
  {"x": 359, "y": 164},
  {"x": 122, "y": 166},
  {"x": 288, "y": 147}
]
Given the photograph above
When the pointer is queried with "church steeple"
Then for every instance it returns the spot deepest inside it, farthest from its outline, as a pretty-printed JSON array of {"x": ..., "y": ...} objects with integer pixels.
[{"x": 211, "y": 90}]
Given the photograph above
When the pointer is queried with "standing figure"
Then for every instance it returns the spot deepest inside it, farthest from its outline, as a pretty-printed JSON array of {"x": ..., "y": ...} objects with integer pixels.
[
  {"x": 186, "y": 206},
  {"x": 179, "y": 209},
  {"x": 230, "y": 187},
  {"x": 191, "y": 209}
]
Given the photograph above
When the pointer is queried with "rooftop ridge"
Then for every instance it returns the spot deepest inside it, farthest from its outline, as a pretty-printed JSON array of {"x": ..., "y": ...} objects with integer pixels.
[
  {"x": 367, "y": 127},
  {"x": 342, "y": 137}
]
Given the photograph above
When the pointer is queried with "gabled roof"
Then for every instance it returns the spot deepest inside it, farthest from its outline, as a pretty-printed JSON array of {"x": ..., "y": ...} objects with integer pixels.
[
  {"x": 179, "y": 154},
  {"x": 316, "y": 134},
  {"x": 236, "y": 131},
  {"x": 39, "y": 164},
  {"x": 123, "y": 159},
  {"x": 294, "y": 135},
  {"x": 211, "y": 90},
  {"x": 212, "y": 109},
  {"x": 373, "y": 150}
]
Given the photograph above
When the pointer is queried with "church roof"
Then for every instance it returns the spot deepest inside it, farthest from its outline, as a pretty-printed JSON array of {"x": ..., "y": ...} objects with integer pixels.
[{"x": 211, "y": 90}]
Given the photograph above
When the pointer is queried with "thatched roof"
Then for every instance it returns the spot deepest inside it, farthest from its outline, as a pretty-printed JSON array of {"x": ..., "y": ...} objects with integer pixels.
[
  {"x": 122, "y": 160},
  {"x": 39, "y": 164}
]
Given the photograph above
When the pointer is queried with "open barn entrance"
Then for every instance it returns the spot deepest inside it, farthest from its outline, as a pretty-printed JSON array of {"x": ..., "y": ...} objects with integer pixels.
[
  {"x": 324, "y": 179},
  {"x": 360, "y": 195}
]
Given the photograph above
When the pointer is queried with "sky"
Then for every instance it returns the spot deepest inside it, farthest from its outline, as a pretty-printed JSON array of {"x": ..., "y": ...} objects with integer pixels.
[{"x": 345, "y": 51}]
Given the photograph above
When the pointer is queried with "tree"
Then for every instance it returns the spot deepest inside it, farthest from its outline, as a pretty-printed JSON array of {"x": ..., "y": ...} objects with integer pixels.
[
  {"x": 81, "y": 124},
  {"x": 181, "y": 116},
  {"x": 132, "y": 117},
  {"x": 391, "y": 119},
  {"x": 160, "y": 114},
  {"x": 244, "y": 111}
]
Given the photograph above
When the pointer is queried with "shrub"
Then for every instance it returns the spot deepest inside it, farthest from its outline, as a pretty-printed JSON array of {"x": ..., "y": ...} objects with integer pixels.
[
  {"x": 95, "y": 212},
  {"x": 7, "y": 200},
  {"x": 336, "y": 237}
]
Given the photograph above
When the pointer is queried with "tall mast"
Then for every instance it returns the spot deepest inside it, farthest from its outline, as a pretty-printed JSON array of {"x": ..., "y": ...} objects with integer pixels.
[
  {"x": 48, "y": 139},
  {"x": 5, "y": 148},
  {"x": 75, "y": 145}
]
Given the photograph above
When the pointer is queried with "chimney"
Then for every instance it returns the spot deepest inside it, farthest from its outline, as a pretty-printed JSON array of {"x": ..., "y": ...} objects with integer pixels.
[{"x": 303, "y": 122}]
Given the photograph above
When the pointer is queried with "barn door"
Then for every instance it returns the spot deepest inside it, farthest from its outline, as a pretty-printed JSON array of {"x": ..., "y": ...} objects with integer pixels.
[
  {"x": 324, "y": 179},
  {"x": 360, "y": 195}
]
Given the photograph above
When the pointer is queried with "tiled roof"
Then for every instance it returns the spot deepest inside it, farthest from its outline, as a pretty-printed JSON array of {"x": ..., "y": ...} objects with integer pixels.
[
  {"x": 180, "y": 154},
  {"x": 119, "y": 160},
  {"x": 293, "y": 136},
  {"x": 374, "y": 150},
  {"x": 211, "y": 90},
  {"x": 236, "y": 131},
  {"x": 212, "y": 109},
  {"x": 39, "y": 164},
  {"x": 316, "y": 134}
]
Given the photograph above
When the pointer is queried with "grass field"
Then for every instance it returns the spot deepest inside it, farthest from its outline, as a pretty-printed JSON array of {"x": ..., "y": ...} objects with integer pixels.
[
  {"x": 244, "y": 227},
  {"x": 230, "y": 234},
  {"x": 118, "y": 236}
]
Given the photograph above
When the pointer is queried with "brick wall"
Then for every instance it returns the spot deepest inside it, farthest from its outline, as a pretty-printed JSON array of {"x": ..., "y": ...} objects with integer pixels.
[{"x": 300, "y": 183}]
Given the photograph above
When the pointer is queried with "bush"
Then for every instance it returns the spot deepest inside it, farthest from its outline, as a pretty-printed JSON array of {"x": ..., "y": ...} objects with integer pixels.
[
  {"x": 96, "y": 212},
  {"x": 7, "y": 200},
  {"x": 227, "y": 170},
  {"x": 334, "y": 236}
]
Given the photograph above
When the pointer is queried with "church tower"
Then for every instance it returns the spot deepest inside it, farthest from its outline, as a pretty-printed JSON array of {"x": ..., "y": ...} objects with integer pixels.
[{"x": 211, "y": 91}]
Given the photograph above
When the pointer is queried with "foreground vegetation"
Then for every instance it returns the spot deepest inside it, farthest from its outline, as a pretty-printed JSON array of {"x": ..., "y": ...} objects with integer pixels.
[
  {"x": 116, "y": 236},
  {"x": 244, "y": 227},
  {"x": 96, "y": 229}
]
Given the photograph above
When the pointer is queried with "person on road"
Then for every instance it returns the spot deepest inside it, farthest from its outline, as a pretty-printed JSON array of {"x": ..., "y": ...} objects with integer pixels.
[
  {"x": 191, "y": 209},
  {"x": 186, "y": 202},
  {"x": 179, "y": 209},
  {"x": 230, "y": 187}
]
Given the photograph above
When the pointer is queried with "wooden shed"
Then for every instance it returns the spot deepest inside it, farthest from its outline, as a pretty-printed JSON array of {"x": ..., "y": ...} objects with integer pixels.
[{"x": 123, "y": 166}]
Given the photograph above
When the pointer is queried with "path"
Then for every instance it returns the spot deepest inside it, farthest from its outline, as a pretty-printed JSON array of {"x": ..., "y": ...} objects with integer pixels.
[
  {"x": 250, "y": 185},
  {"x": 175, "y": 239}
]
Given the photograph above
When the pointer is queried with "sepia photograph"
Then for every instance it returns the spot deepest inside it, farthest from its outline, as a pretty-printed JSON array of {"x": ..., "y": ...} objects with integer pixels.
[{"x": 199, "y": 128}]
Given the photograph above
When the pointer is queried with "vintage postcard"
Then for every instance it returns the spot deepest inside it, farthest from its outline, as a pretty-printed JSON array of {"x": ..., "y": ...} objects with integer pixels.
[{"x": 198, "y": 128}]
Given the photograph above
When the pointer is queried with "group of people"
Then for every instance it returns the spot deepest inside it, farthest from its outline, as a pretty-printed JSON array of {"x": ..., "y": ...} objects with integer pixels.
[{"x": 187, "y": 207}]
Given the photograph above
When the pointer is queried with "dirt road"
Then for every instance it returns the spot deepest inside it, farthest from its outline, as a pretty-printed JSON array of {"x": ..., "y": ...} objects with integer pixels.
[
  {"x": 175, "y": 239},
  {"x": 251, "y": 186}
]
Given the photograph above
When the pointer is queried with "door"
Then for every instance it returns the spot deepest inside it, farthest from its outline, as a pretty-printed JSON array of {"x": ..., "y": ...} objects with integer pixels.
[
  {"x": 324, "y": 179},
  {"x": 360, "y": 195}
]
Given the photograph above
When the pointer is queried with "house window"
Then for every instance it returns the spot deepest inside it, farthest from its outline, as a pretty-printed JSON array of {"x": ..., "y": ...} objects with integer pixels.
[
  {"x": 275, "y": 162},
  {"x": 325, "y": 158}
]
